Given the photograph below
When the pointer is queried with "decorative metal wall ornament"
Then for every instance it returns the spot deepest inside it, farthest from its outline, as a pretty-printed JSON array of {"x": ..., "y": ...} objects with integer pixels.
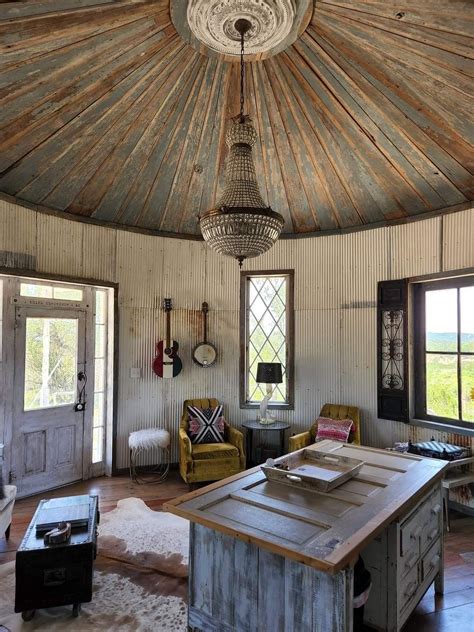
[
  {"x": 392, "y": 350},
  {"x": 241, "y": 226}
]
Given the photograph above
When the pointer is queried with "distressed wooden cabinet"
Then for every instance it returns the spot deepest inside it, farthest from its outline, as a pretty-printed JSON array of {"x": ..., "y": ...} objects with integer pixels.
[
  {"x": 268, "y": 556},
  {"x": 404, "y": 561}
]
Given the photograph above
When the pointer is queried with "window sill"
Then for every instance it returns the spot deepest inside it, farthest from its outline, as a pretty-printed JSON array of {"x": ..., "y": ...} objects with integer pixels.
[
  {"x": 270, "y": 406},
  {"x": 443, "y": 427}
]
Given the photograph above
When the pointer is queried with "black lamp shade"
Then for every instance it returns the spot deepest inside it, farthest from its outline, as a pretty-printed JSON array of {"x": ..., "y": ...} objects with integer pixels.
[{"x": 269, "y": 373}]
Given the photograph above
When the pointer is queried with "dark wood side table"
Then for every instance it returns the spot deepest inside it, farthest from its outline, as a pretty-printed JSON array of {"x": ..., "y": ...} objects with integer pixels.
[{"x": 251, "y": 426}]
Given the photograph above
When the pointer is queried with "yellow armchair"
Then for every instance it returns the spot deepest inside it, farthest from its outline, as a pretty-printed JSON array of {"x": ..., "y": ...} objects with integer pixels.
[
  {"x": 332, "y": 411},
  {"x": 209, "y": 461}
]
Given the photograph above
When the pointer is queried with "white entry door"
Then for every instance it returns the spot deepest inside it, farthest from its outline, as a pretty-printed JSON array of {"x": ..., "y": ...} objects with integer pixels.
[{"x": 47, "y": 437}]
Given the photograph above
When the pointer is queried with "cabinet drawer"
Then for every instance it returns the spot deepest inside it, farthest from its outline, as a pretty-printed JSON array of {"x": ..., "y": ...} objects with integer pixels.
[
  {"x": 433, "y": 510},
  {"x": 410, "y": 534},
  {"x": 408, "y": 588},
  {"x": 408, "y": 562},
  {"x": 431, "y": 562},
  {"x": 423, "y": 526}
]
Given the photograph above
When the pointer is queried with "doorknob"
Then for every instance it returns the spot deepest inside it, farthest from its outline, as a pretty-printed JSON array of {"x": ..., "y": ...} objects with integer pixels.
[{"x": 80, "y": 406}]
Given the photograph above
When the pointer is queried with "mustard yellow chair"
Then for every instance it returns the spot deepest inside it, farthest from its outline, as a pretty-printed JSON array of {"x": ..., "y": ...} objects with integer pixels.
[
  {"x": 332, "y": 411},
  {"x": 209, "y": 461}
]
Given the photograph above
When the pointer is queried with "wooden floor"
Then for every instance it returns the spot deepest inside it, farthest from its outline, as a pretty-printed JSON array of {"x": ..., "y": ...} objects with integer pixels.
[{"x": 453, "y": 612}]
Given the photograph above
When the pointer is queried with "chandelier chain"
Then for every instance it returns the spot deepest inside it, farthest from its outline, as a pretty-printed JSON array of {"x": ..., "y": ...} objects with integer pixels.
[{"x": 242, "y": 77}]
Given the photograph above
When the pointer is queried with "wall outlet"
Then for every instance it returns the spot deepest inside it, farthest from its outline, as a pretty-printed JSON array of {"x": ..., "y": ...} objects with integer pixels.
[{"x": 135, "y": 372}]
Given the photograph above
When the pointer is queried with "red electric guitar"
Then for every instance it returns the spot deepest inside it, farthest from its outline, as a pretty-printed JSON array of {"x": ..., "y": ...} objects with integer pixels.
[{"x": 167, "y": 362}]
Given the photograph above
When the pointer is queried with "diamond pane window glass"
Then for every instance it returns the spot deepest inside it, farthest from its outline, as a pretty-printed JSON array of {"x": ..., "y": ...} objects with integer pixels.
[{"x": 266, "y": 312}]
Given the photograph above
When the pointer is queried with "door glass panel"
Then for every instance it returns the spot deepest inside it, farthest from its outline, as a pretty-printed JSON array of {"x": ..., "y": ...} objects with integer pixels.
[
  {"x": 50, "y": 362},
  {"x": 100, "y": 341},
  {"x": 441, "y": 320},
  {"x": 39, "y": 290},
  {"x": 100, "y": 383},
  {"x": 442, "y": 385},
  {"x": 99, "y": 378},
  {"x": 67, "y": 293}
]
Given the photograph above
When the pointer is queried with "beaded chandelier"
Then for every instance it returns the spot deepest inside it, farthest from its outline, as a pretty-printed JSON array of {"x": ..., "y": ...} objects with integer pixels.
[{"x": 241, "y": 225}]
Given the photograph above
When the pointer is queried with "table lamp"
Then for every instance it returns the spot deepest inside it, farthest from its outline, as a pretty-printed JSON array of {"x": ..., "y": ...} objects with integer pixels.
[{"x": 268, "y": 373}]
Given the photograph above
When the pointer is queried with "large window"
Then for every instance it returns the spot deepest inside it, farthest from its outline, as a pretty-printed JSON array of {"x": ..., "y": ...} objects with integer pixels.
[
  {"x": 444, "y": 351},
  {"x": 266, "y": 329}
]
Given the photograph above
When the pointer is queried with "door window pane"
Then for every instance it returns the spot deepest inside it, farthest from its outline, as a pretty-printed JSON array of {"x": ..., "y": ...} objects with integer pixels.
[
  {"x": 40, "y": 290},
  {"x": 67, "y": 293},
  {"x": 100, "y": 306},
  {"x": 100, "y": 382},
  {"x": 441, "y": 320},
  {"x": 97, "y": 445},
  {"x": 99, "y": 378},
  {"x": 442, "y": 385},
  {"x": 467, "y": 319},
  {"x": 100, "y": 341},
  {"x": 50, "y": 362}
]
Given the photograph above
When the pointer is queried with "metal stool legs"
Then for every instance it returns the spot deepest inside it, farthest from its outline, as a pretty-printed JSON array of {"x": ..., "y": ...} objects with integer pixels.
[{"x": 158, "y": 473}]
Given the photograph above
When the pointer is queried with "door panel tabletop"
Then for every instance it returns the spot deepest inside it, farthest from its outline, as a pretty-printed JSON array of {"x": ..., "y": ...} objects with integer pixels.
[{"x": 325, "y": 530}]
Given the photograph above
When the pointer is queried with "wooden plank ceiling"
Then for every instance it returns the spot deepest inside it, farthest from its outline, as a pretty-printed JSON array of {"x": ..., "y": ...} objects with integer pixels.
[{"x": 105, "y": 112}]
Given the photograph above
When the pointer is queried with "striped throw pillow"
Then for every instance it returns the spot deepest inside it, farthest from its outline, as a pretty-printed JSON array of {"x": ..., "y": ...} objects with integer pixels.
[
  {"x": 206, "y": 425},
  {"x": 335, "y": 429}
]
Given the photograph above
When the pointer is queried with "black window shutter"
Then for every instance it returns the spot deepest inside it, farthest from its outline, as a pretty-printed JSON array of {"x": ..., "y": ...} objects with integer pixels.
[{"x": 392, "y": 350}]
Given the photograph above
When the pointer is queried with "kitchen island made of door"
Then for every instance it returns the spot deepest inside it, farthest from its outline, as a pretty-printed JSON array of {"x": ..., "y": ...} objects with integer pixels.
[{"x": 268, "y": 556}]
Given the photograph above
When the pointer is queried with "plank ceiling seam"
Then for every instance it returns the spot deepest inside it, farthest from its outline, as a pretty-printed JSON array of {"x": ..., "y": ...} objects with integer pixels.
[{"x": 106, "y": 113}]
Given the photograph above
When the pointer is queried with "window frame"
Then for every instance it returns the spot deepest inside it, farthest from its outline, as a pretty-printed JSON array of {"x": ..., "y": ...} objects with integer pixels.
[
  {"x": 290, "y": 337},
  {"x": 420, "y": 352}
]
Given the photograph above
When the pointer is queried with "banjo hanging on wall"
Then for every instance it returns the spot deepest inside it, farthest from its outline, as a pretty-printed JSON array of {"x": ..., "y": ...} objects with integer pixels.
[
  {"x": 167, "y": 362},
  {"x": 204, "y": 353}
]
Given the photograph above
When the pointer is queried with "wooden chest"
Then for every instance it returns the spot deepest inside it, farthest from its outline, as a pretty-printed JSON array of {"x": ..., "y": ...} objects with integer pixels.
[{"x": 56, "y": 575}]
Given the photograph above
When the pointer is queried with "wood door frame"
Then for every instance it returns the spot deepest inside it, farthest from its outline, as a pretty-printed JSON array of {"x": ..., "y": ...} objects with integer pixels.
[
  {"x": 12, "y": 276},
  {"x": 19, "y": 344}
]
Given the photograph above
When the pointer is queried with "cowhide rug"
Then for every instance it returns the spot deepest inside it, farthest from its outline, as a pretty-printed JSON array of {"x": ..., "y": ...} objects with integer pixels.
[{"x": 140, "y": 581}]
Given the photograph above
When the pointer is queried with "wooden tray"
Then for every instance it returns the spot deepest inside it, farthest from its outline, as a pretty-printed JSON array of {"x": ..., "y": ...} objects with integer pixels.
[{"x": 313, "y": 470}]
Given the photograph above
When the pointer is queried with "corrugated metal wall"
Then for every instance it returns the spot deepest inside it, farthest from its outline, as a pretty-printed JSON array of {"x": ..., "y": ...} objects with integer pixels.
[{"x": 335, "y": 301}]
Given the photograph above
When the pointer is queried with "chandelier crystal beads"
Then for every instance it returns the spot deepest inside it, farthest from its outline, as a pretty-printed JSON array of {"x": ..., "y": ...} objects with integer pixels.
[{"x": 241, "y": 225}]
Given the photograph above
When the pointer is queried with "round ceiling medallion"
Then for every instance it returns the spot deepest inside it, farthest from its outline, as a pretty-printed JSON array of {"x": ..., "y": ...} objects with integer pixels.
[
  {"x": 213, "y": 23},
  {"x": 209, "y": 25}
]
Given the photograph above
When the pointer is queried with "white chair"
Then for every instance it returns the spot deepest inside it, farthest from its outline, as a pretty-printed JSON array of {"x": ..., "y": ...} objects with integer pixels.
[{"x": 6, "y": 509}]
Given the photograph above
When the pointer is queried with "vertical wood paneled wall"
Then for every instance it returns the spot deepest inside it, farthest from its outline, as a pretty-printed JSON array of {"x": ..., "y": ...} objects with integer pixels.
[{"x": 335, "y": 301}]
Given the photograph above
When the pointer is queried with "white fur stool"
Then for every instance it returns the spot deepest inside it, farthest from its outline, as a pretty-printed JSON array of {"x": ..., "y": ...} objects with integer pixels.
[{"x": 149, "y": 439}]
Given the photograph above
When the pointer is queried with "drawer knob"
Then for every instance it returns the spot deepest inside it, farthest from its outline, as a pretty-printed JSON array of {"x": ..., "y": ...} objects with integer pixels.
[
  {"x": 409, "y": 590},
  {"x": 416, "y": 533},
  {"x": 435, "y": 561},
  {"x": 411, "y": 560},
  {"x": 432, "y": 534}
]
